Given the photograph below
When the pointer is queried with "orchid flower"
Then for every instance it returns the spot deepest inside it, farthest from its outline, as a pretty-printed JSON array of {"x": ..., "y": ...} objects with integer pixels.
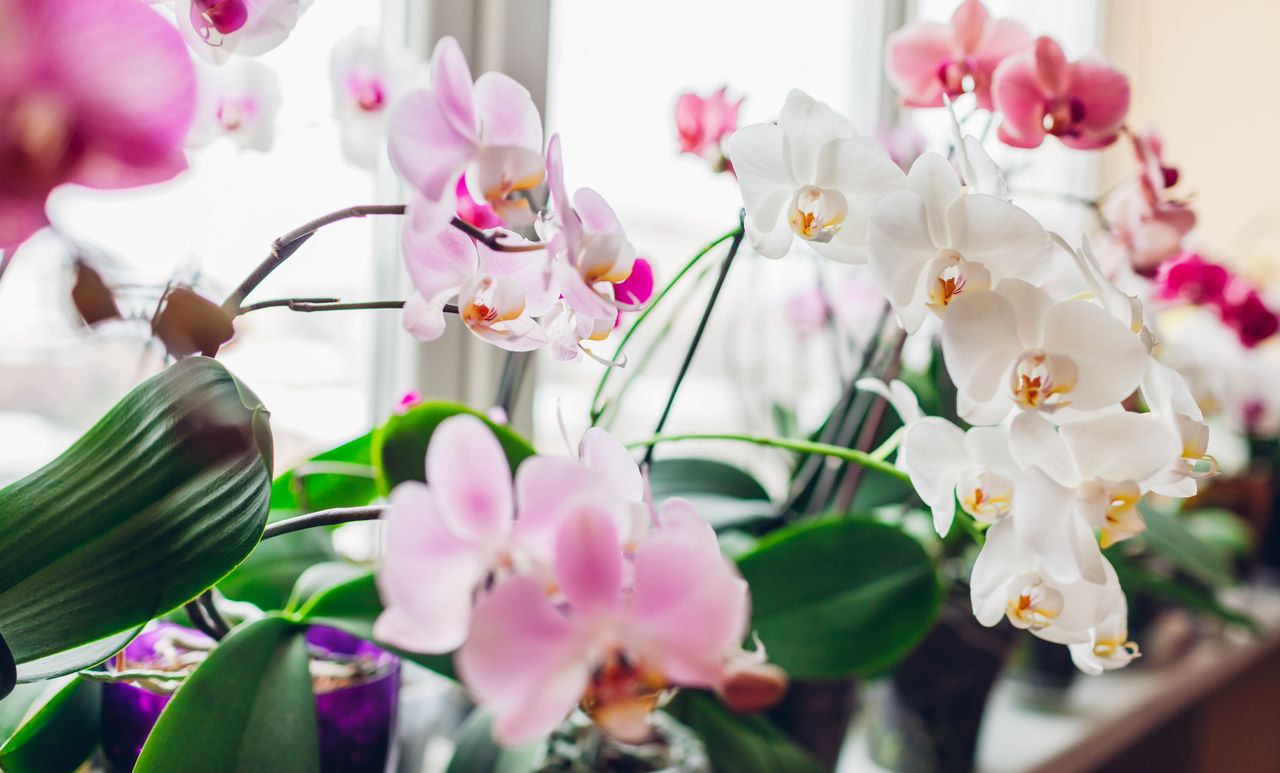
[
  {"x": 93, "y": 92},
  {"x": 1009, "y": 581},
  {"x": 240, "y": 101},
  {"x": 946, "y": 463},
  {"x": 810, "y": 175},
  {"x": 1143, "y": 217},
  {"x": 590, "y": 252},
  {"x": 1039, "y": 92},
  {"x": 569, "y": 331},
  {"x": 930, "y": 242},
  {"x": 446, "y": 538},
  {"x": 1193, "y": 279},
  {"x": 1168, "y": 396},
  {"x": 702, "y": 123},
  {"x": 488, "y": 130},
  {"x": 603, "y": 642},
  {"x": 1109, "y": 646},
  {"x": 218, "y": 29},
  {"x": 368, "y": 76},
  {"x": 926, "y": 61},
  {"x": 1095, "y": 469},
  {"x": 1014, "y": 346},
  {"x": 498, "y": 293}
]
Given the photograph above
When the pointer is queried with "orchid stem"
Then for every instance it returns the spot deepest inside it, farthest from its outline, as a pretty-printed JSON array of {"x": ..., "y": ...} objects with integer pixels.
[
  {"x": 860, "y": 458},
  {"x": 597, "y": 410},
  {"x": 309, "y": 305},
  {"x": 330, "y": 517},
  {"x": 514, "y": 368},
  {"x": 697, "y": 334}
]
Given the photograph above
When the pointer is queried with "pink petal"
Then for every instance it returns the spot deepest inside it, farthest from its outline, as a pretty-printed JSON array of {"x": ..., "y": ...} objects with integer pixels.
[
  {"x": 544, "y": 484},
  {"x": 690, "y": 605},
  {"x": 427, "y": 576},
  {"x": 1104, "y": 92},
  {"x": 608, "y": 457},
  {"x": 528, "y": 269},
  {"x": 439, "y": 261},
  {"x": 423, "y": 318},
  {"x": 914, "y": 56},
  {"x": 426, "y": 147},
  {"x": 588, "y": 560},
  {"x": 523, "y": 660},
  {"x": 969, "y": 23},
  {"x": 1016, "y": 93},
  {"x": 1004, "y": 38},
  {"x": 470, "y": 479},
  {"x": 451, "y": 81},
  {"x": 1053, "y": 72},
  {"x": 691, "y": 127},
  {"x": 580, "y": 297},
  {"x": 597, "y": 216},
  {"x": 508, "y": 115},
  {"x": 19, "y": 219},
  {"x": 637, "y": 288}
]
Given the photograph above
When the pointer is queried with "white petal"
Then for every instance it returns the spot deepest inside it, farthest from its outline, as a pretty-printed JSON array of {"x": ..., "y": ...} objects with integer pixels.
[
  {"x": 773, "y": 243},
  {"x": 809, "y": 125},
  {"x": 998, "y": 562},
  {"x": 1000, "y": 236},
  {"x": 1109, "y": 358},
  {"x": 898, "y": 245},
  {"x": 933, "y": 179},
  {"x": 1044, "y": 516},
  {"x": 1121, "y": 446},
  {"x": 934, "y": 454},
  {"x": 1035, "y": 443},
  {"x": 761, "y": 162},
  {"x": 980, "y": 343}
]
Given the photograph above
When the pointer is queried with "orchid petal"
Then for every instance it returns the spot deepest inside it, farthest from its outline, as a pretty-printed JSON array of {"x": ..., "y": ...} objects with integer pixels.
[{"x": 470, "y": 479}]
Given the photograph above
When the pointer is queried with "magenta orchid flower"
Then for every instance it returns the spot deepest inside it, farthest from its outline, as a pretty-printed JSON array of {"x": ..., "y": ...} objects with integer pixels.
[
  {"x": 488, "y": 130},
  {"x": 367, "y": 76},
  {"x": 471, "y": 211},
  {"x": 498, "y": 293},
  {"x": 240, "y": 101},
  {"x": 216, "y": 30},
  {"x": 618, "y": 630},
  {"x": 1193, "y": 279},
  {"x": 702, "y": 123},
  {"x": 927, "y": 61},
  {"x": 1244, "y": 311},
  {"x": 93, "y": 92},
  {"x": 1040, "y": 92},
  {"x": 590, "y": 252},
  {"x": 636, "y": 289}
]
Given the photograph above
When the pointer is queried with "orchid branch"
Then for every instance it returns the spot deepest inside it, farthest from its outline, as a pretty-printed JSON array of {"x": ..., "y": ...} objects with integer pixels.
[
  {"x": 597, "y": 410},
  {"x": 860, "y": 458},
  {"x": 697, "y": 333},
  {"x": 331, "y": 517}
]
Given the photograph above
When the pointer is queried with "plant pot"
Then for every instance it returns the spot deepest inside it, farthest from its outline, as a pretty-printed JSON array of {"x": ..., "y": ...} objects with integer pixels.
[
  {"x": 355, "y": 720},
  {"x": 579, "y": 746},
  {"x": 816, "y": 715},
  {"x": 925, "y": 716},
  {"x": 1042, "y": 672}
]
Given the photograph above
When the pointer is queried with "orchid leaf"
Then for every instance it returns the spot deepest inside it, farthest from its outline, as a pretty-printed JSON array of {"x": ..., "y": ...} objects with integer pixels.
[
  {"x": 49, "y": 727},
  {"x": 400, "y": 446},
  {"x": 737, "y": 743}
]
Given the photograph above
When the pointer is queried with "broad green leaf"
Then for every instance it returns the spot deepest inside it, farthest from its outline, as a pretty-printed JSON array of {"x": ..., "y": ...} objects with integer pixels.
[
  {"x": 836, "y": 597},
  {"x": 49, "y": 727},
  {"x": 340, "y": 477},
  {"x": 1167, "y": 535},
  {"x": 248, "y": 708},
  {"x": 155, "y": 503},
  {"x": 400, "y": 446},
  {"x": 319, "y": 578},
  {"x": 736, "y": 743},
  {"x": 77, "y": 659},
  {"x": 352, "y": 606},
  {"x": 702, "y": 477},
  {"x": 476, "y": 751},
  {"x": 1222, "y": 530}
]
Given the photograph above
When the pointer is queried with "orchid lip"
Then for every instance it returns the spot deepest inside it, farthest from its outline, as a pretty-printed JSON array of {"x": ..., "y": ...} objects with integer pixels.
[{"x": 817, "y": 214}]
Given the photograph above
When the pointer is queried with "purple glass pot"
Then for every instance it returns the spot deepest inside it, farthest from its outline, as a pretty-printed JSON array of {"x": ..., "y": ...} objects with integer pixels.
[{"x": 355, "y": 723}]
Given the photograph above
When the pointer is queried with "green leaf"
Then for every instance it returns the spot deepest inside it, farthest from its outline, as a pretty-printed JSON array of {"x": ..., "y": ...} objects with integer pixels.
[
  {"x": 248, "y": 707},
  {"x": 1221, "y": 530},
  {"x": 352, "y": 606},
  {"x": 400, "y": 446},
  {"x": 736, "y": 743},
  {"x": 340, "y": 477},
  {"x": 836, "y": 597},
  {"x": 155, "y": 503},
  {"x": 76, "y": 659},
  {"x": 49, "y": 727},
  {"x": 702, "y": 477},
  {"x": 1167, "y": 535},
  {"x": 476, "y": 751}
]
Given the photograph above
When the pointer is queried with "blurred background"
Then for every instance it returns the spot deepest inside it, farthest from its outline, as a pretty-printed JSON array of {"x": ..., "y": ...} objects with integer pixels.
[{"x": 608, "y": 76}]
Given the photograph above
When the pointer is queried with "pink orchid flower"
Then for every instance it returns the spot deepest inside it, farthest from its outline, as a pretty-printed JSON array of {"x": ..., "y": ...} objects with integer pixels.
[
  {"x": 570, "y": 331},
  {"x": 1244, "y": 311},
  {"x": 93, "y": 92},
  {"x": 615, "y": 632},
  {"x": 1145, "y": 219},
  {"x": 1082, "y": 103},
  {"x": 471, "y": 211},
  {"x": 472, "y": 523},
  {"x": 498, "y": 293},
  {"x": 636, "y": 289},
  {"x": 590, "y": 252},
  {"x": 367, "y": 75},
  {"x": 703, "y": 122},
  {"x": 926, "y": 60},
  {"x": 1193, "y": 279},
  {"x": 239, "y": 100},
  {"x": 488, "y": 130},
  {"x": 216, "y": 30}
]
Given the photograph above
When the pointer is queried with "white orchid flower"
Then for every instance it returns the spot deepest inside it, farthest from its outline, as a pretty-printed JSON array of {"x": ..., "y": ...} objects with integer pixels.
[
  {"x": 1168, "y": 396},
  {"x": 1009, "y": 581},
  {"x": 930, "y": 242},
  {"x": 239, "y": 100},
  {"x": 368, "y": 76},
  {"x": 1109, "y": 646},
  {"x": 810, "y": 175},
  {"x": 1016, "y": 346},
  {"x": 1091, "y": 472},
  {"x": 947, "y": 463}
]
